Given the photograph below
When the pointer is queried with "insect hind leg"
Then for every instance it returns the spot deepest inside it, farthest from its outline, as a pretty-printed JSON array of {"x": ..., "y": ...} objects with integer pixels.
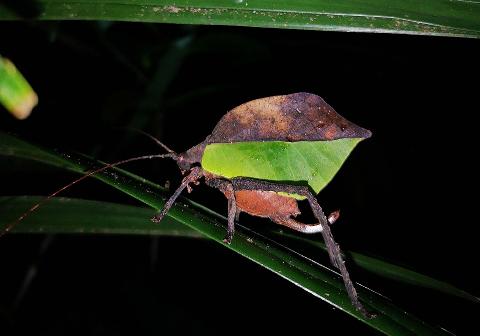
[{"x": 334, "y": 252}]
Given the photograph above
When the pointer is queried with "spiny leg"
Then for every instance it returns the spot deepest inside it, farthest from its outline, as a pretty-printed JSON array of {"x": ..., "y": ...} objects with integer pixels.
[
  {"x": 232, "y": 211},
  {"x": 195, "y": 174},
  {"x": 244, "y": 183},
  {"x": 226, "y": 188},
  {"x": 336, "y": 254}
]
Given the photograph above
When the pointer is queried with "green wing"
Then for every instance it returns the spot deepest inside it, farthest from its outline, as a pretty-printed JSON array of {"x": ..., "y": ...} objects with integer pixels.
[{"x": 312, "y": 162}]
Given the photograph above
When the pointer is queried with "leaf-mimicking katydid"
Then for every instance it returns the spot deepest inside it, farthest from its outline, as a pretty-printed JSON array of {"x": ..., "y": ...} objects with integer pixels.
[{"x": 264, "y": 156}]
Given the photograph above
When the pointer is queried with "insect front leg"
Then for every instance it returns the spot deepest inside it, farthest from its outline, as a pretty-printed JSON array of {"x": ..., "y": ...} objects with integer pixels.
[
  {"x": 195, "y": 174},
  {"x": 245, "y": 183}
]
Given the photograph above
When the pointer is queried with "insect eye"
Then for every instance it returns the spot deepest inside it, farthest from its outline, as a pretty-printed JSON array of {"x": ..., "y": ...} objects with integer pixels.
[{"x": 183, "y": 164}]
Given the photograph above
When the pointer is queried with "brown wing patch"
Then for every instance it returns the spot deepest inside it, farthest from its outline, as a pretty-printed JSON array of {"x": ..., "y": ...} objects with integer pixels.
[
  {"x": 266, "y": 204},
  {"x": 294, "y": 117},
  {"x": 267, "y": 112}
]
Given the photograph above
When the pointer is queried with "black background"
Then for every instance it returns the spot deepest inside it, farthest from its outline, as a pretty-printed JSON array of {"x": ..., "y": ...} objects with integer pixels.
[{"x": 408, "y": 194}]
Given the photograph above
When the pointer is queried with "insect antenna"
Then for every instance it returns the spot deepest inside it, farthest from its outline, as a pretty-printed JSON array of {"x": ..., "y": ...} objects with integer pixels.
[
  {"x": 158, "y": 142},
  {"x": 10, "y": 226}
]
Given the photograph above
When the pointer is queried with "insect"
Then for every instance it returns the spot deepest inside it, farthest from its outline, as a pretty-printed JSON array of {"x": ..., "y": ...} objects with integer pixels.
[
  {"x": 245, "y": 135},
  {"x": 259, "y": 155}
]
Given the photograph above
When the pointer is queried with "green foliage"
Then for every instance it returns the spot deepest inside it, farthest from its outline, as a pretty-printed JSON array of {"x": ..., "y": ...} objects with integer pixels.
[
  {"x": 432, "y": 17},
  {"x": 391, "y": 271},
  {"x": 67, "y": 215}
]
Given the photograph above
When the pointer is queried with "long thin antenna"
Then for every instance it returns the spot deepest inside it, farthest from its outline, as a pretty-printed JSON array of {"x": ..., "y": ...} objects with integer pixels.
[
  {"x": 10, "y": 226},
  {"x": 158, "y": 142}
]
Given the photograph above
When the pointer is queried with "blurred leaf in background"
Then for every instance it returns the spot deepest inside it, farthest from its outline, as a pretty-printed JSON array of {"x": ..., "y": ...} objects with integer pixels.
[
  {"x": 16, "y": 95},
  {"x": 432, "y": 17}
]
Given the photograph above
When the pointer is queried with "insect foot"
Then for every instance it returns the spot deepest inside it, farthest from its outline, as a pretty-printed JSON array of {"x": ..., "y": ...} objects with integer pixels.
[{"x": 228, "y": 238}]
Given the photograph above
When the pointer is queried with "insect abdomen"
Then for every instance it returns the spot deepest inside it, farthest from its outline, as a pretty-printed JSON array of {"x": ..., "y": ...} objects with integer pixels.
[{"x": 266, "y": 204}]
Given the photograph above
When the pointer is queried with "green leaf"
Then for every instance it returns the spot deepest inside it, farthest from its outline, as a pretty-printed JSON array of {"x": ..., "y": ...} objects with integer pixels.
[
  {"x": 66, "y": 215},
  {"x": 301, "y": 271},
  {"x": 16, "y": 94},
  {"x": 430, "y": 17},
  {"x": 391, "y": 271},
  {"x": 304, "y": 162}
]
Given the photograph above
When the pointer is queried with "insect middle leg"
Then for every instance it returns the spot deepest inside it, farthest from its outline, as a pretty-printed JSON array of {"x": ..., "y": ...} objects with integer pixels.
[
  {"x": 245, "y": 183},
  {"x": 226, "y": 188}
]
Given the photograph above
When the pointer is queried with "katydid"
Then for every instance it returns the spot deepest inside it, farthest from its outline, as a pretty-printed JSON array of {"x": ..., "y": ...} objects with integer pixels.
[{"x": 264, "y": 156}]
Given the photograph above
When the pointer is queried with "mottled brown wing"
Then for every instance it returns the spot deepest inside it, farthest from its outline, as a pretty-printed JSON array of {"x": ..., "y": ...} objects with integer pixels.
[{"x": 294, "y": 117}]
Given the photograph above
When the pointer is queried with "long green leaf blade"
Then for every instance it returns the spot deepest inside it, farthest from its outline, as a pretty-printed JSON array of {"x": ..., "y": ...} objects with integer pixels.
[
  {"x": 429, "y": 17},
  {"x": 305, "y": 273},
  {"x": 66, "y": 215},
  {"x": 391, "y": 271}
]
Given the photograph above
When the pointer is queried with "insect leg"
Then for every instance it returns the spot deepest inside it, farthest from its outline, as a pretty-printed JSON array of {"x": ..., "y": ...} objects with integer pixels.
[
  {"x": 245, "y": 183},
  {"x": 195, "y": 174},
  {"x": 227, "y": 189},
  {"x": 237, "y": 215},
  {"x": 232, "y": 211}
]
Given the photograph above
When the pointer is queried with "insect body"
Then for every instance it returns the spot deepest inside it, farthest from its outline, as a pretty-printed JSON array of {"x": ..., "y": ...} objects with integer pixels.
[
  {"x": 295, "y": 139},
  {"x": 265, "y": 156},
  {"x": 268, "y": 153}
]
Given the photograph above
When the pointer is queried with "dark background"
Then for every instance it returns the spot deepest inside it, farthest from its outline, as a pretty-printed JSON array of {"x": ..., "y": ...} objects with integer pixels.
[{"x": 408, "y": 194}]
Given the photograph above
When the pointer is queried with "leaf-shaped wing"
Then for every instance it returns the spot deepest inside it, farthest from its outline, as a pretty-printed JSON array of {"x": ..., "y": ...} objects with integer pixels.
[
  {"x": 294, "y": 117},
  {"x": 306, "y": 162}
]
